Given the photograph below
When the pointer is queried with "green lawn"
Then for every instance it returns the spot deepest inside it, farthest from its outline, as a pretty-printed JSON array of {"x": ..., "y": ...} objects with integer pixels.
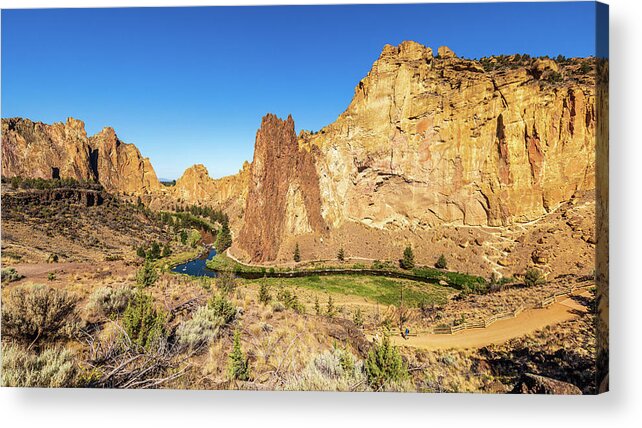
[{"x": 376, "y": 289}]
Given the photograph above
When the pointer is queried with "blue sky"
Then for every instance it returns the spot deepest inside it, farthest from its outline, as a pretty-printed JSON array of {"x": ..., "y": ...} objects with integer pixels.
[{"x": 190, "y": 85}]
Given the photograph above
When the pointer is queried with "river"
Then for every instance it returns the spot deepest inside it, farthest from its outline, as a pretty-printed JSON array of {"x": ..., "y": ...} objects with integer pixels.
[{"x": 197, "y": 266}]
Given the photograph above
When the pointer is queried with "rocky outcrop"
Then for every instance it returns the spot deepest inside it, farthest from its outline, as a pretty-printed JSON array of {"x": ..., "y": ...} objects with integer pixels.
[
  {"x": 83, "y": 197},
  {"x": 535, "y": 384},
  {"x": 283, "y": 196},
  {"x": 63, "y": 150},
  {"x": 429, "y": 141}
]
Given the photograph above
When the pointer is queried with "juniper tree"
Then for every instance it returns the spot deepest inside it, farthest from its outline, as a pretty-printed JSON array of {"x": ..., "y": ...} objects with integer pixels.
[
  {"x": 238, "y": 366},
  {"x": 146, "y": 276},
  {"x": 441, "y": 262},
  {"x": 408, "y": 261},
  {"x": 341, "y": 255},
  {"x": 297, "y": 253},
  {"x": 264, "y": 293}
]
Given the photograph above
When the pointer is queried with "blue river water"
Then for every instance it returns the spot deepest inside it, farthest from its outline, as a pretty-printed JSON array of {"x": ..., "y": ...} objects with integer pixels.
[{"x": 197, "y": 266}]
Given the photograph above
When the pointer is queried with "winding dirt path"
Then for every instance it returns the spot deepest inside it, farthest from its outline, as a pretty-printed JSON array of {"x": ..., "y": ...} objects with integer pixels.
[{"x": 502, "y": 331}]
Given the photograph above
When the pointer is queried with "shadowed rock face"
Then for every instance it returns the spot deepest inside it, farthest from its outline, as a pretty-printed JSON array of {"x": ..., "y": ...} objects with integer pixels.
[
  {"x": 283, "y": 195},
  {"x": 535, "y": 384},
  {"x": 63, "y": 150}
]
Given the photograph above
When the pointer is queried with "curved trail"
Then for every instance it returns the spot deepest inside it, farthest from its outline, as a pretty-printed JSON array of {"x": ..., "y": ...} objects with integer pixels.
[{"x": 502, "y": 331}]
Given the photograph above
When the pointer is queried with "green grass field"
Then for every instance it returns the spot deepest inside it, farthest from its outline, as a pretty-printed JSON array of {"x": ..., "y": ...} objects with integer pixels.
[{"x": 376, "y": 289}]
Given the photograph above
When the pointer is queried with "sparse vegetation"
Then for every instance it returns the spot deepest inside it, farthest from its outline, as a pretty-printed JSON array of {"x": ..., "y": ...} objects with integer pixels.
[
  {"x": 264, "y": 293},
  {"x": 226, "y": 283},
  {"x": 341, "y": 255},
  {"x": 534, "y": 277}
]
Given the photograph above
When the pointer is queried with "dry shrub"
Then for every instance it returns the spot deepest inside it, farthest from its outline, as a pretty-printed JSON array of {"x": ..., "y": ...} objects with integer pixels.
[
  {"x": 52, "y": 368},
  {"x": 36, "y": 312},
  {"x": 335, "y": 370},
  {"x": 106, "y": 301},
  {"x": 202, "y": 328}
]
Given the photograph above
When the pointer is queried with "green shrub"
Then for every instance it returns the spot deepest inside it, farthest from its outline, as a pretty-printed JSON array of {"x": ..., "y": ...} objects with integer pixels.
[
  {"x": 10, "y": 274},
  {"x": 534, "y": 277},
  {"x": 384, "y": 365},
  {"x": 358, "y": 318},
  {"x": 52, "y": 368},
  {"x": 202, "y": 328},
  {"x": 36, "y": 312},
  {"x": 223, "y": 238},
  {"x": 222, "y": 308},
  {"x": 290, "y": 300},
  {"x": 330, "y": 310},
  {"x": 238, "y": 366},
  {"x": 264, "y": 293},
  {"x": 107, "y": 301},
  {"x": 147, "y": 275},
  {"x": 441, "y": 262},
  {"x": 341, "y": 256},
  {"x": 143, "y": 323},
  {"x": 408, "y": 260}
]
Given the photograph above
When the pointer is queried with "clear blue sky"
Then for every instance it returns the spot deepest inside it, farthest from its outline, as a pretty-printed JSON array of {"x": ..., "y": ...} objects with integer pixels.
[{"x": 190, "y": 85}]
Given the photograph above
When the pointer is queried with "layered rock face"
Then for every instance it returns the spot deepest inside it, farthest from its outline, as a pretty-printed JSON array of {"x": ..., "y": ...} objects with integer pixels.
[
  {"x": 63, "y": 150},
  {"x": 283, "y": 196},
  {"x": 429, "y": 141}
]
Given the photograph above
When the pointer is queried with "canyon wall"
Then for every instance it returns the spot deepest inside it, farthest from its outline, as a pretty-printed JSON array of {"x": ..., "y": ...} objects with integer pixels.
[
  {"x": 63, "y": 150},
  {"x": 439, "y": 140}
]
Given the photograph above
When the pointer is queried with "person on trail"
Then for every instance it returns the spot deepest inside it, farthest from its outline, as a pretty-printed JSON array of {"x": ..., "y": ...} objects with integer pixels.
[{"x": 406, "y": 333}]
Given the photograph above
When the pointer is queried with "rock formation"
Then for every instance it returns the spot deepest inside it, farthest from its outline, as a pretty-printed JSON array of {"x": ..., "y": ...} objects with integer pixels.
[
  {"x": 63, "y": 150},
  {"x": 536, "y": 384},
  {"x": 430, "y": 142},
  {"x": 283, "y": 197}
]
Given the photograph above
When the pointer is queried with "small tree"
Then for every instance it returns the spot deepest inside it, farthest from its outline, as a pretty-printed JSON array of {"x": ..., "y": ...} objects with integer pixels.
[
  {"x": 358, "y": 318},
  {"x": 183, "y": 237},
  {"x": 341, "y": 255},
  {"x": 166, "y": 250},
  {"x": 223, "y": 238},
  {"x": 384, "y": 364},
  {"x": 534, "y": 277},
  {"x": 297, "y": 253},
  {"x": 441, "y": 262},
  {"x": 140, "y": 252},
  {"x": 238, "y": 366},
  {"x": 146, "y": 276},
  {"x": 154, "y": 251},
  {"x": 317, "y": 306},
  {"x": 408, "y": 261},
  {"x": 264, "y": 293},
  {"x": 330, "y": 310},
  {"x": 51, "y": 276},
  {"x": 143, "y": 323}
]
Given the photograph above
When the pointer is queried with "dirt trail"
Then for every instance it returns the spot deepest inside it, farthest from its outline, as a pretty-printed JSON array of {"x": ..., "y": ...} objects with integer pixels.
[{"x": 525, "y": 323}]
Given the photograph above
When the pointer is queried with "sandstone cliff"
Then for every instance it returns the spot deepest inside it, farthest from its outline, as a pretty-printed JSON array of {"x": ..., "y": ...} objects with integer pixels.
[
  {"x": 427, "y": 142},
  {"x": 63, "y": 150}
]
